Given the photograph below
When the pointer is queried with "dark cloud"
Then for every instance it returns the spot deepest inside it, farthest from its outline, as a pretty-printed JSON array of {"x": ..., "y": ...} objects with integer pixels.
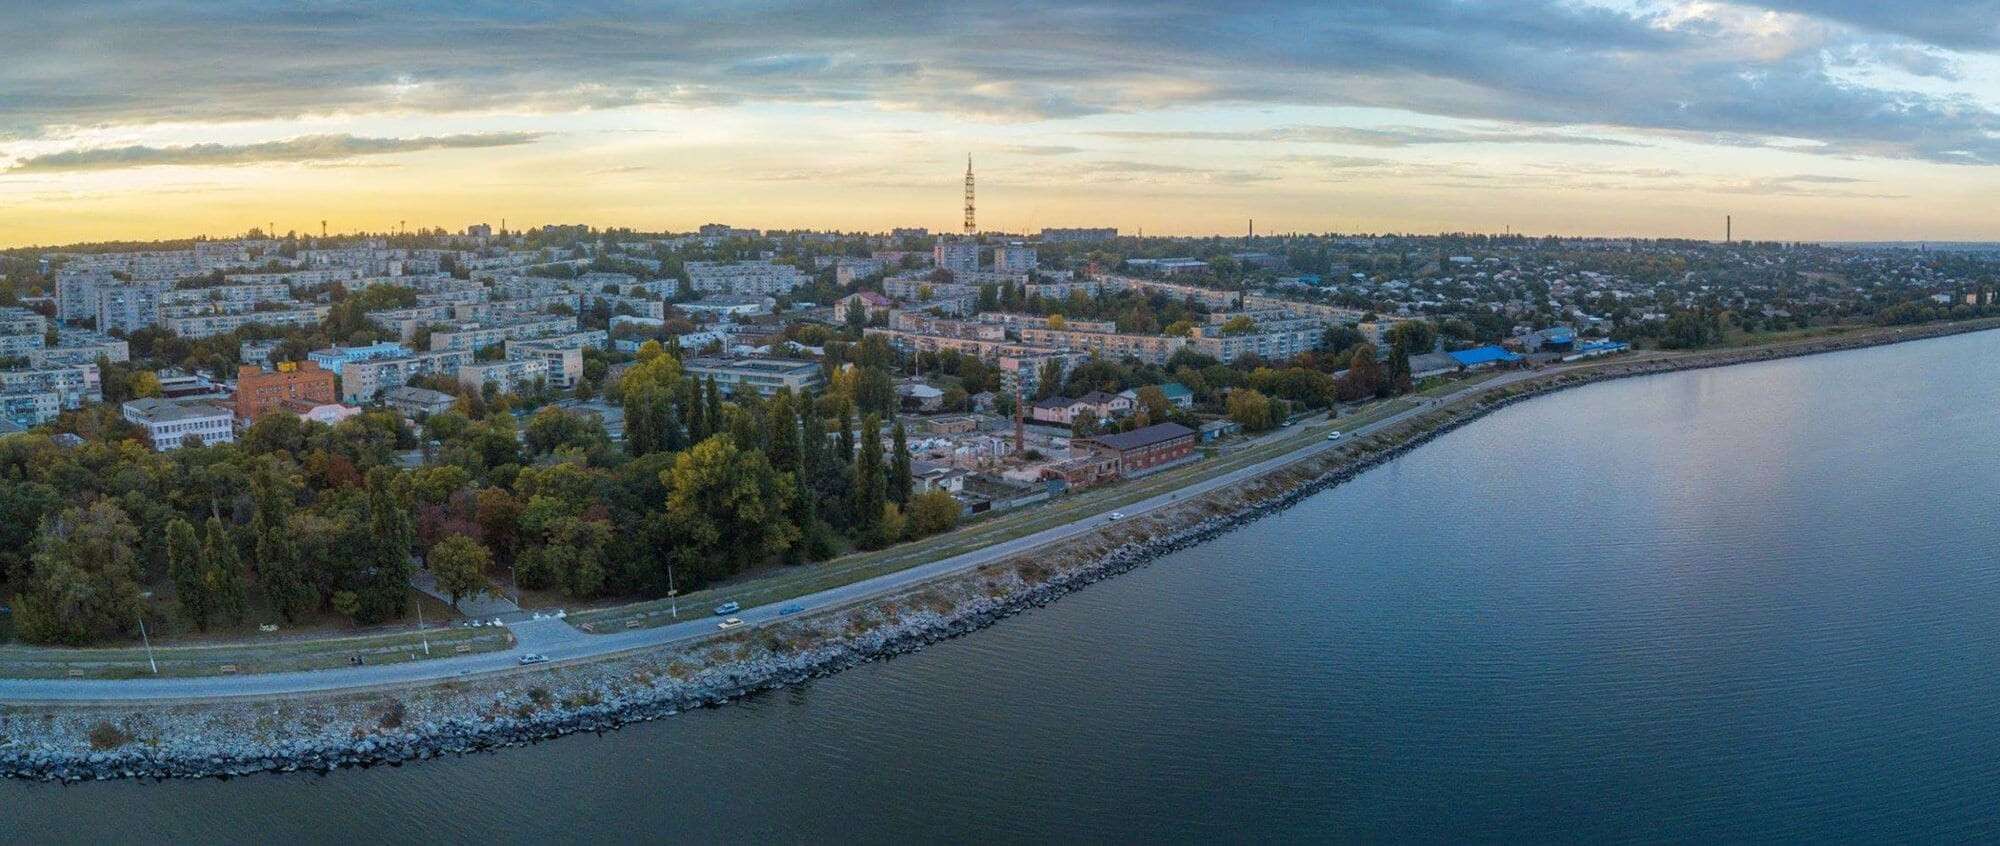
[
  {"x": 310, "y": 148},
  {"x": 1957, "y": 24},
  {"x": 1525, "y": 63}
]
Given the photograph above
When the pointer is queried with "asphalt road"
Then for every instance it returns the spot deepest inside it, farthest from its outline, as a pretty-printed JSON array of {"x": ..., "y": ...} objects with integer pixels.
[{"x": 562, "y": 643}]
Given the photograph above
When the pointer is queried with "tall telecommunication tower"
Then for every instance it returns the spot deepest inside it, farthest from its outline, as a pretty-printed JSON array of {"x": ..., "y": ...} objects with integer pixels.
[{"x": 970, "y": 225}]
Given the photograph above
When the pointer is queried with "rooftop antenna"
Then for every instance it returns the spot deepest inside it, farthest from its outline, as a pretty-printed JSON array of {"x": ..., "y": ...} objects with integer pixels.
[
  {"x": 322, "y": 230},
  {"x": 970, "y": 226},
  {"x": 1728, "y": 229}
]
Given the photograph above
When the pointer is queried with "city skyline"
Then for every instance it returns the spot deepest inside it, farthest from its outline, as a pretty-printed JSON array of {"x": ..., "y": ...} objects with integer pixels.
[{"x": 1805, "y": 119}]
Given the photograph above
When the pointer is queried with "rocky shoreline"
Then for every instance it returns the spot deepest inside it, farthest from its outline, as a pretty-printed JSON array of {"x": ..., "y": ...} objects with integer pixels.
[{"x": 226, "y": 739}]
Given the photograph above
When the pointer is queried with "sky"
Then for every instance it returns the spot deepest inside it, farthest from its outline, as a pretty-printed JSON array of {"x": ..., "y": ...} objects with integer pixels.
[{"x": 1804, "y": 119}]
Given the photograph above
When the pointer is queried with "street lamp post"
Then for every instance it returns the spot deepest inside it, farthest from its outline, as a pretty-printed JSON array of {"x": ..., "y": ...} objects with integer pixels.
[
  {"x": 673, "y": 594},
  {"x": 146, "y": 639},
  {"x": 420, "y": 626}
]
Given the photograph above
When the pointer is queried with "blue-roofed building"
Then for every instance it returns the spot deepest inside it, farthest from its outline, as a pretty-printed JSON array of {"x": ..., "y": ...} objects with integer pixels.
[
  {"x": 334, "y": 358},
  {"x": 1483, "y": 357}
]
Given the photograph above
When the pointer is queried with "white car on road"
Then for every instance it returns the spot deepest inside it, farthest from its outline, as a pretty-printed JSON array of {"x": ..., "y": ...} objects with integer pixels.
[{"x": 729, "y": 623}]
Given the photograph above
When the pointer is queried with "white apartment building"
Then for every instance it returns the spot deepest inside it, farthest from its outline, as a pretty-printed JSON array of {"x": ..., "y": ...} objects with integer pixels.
[
  {"x": 74, "y": 384},
  {"x": 363, "y": 381},
  {"x": 744, "y": 277},
  {"x": 956, "y": 256},
  {"x": 563, "y": 363},
  {"x": 78, "y": 346},
  {"x": 209, "y": 325},
  {"x": 1014, "y": 258},
  {"x": 129, "y": 307},
  {"x": 510, "y": 377},
  {"x": 1152, "y": 349},
  {"x": 170, "y": 423},
  {"x": 479, "y": 336}
]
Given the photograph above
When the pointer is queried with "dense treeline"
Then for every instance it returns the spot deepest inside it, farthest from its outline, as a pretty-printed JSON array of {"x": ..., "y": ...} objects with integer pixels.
[{"x": 300, "y": 519}]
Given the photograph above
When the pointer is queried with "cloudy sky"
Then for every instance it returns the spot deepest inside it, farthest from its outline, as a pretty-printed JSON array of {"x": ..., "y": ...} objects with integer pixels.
[{"x": 1807, "y": 119}]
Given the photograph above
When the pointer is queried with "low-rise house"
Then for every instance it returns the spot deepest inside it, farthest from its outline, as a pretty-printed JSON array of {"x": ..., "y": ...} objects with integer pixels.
[
  {"x": 417, "y": 403},
  {"x": 1145, "y": 449}
]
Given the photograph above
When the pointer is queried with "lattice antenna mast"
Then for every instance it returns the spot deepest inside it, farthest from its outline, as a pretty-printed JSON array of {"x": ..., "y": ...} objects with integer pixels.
[{"x": 970, "y": 225}]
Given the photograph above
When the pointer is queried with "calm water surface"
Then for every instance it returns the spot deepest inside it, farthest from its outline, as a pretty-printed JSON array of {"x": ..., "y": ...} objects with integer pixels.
[{"x": 1750, "y": 603}]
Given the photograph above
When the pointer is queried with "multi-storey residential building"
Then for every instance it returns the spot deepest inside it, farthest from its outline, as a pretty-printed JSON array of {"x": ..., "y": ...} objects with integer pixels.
[
  {"x": 334, "y": 359},
  {"x": 564, "y": 361},
  {"x": 1015, "y": 258},
  {"x": 208, "y": 325},
  {"x": 1210, "y": 298},
  {"x": 226, "y": 298},
  {"x": 1152, "y": 349},
  {"x": 290, "y": 279},
  {"x": 847, "y": 271},
  {"x": 25, "y": 408},
  {"x": 76, "y": 293},
  {"x": 744, "y": 277},
  {"x": 75, "y": 384},
  {"x": 129, "y": 307},
  {"x": 1060, "y": 290},
  {"x": 169, "y": 423},
  {"x": 730, "y": 305},
  {"x": 1079, "y": 236},
  {"x": 984, "y": 349},
  {"x": 1016, "y": 321},
  {"x": 923, "y": 294},
  {"x": 762, "y": 375},
  {"x": 916, "y": 321},
  {"x": 363, "y": 381},
  {"x": 510, "y": 376},
  {"x": 1277, "y": 340},
  {"x": 259, "y": 390},
  {"x": 479, "y": 336},
  {"x": 79, "y": 346},
  {"x": 957, "y": 256},
  {"x": 22, "y": 332},
  {"x": 1326, "y": 312}
]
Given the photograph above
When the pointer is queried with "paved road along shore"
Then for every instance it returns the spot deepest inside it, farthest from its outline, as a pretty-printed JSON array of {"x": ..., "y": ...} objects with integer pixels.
[{"x": 563, "y": 643}]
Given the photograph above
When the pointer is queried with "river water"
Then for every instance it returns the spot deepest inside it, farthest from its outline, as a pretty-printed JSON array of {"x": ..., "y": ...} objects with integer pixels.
[{"x": 1758, "y": 602}]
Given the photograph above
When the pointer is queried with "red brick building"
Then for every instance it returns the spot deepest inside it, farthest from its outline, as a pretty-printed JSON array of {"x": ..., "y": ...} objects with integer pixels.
[
  {"x": 1145, "y": 448},
  {"x": 258, "y": 390}
]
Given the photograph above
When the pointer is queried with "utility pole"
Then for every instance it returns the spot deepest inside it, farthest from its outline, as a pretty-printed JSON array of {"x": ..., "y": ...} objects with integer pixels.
[
  {"x": 420, "y": 626},
  {"x": 144, "y": 638}
]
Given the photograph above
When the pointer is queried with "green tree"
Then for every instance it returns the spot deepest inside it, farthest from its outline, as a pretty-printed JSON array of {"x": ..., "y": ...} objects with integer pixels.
[
  {"x": 1418, "y": 336},
  {"x": 1252, "y": 409},
  {"x": 899, "y": 467},
  {"x": 726, "y": 508},
  {"x": 85, "y": 585},
  {"x": 281, "y": 572},
  {"x": 1399, "y": 380},
  {"x": 869, "y": 484},
  {"x": 184, "y": 568},
  {"x": 1364, "y": 374},
  {"x": 932, "y": 512},
  {"x": 222, "y": 572},
  {"x": 460, "y": 564}
]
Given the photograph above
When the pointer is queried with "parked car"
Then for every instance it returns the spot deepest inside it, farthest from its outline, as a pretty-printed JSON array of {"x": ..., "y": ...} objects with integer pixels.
[
  {"x": 1333, "y": 435},
  {"x": 534, "y": 658},
  {"x": 793, "y": 608},
  {"x": 729, "y": 623},
  {"x": 727, "y": 608}
]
